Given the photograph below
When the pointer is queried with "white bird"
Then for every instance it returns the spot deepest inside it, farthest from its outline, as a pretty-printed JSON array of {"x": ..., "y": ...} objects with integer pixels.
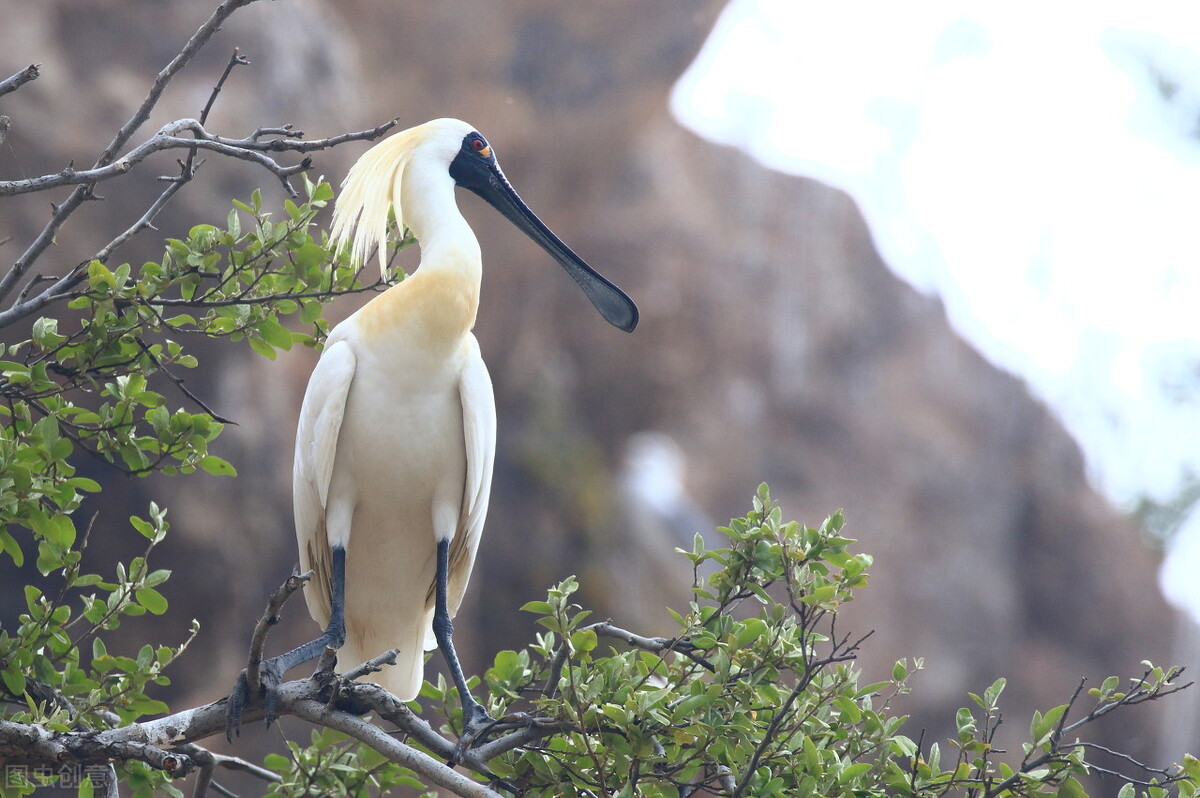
[{"x": 397, "y": 431}]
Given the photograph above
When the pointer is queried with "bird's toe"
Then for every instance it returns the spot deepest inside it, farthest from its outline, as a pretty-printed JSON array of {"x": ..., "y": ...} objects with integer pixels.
[
  {"x": 477, "y": 727},
  {"x": 269, "y": 678}
]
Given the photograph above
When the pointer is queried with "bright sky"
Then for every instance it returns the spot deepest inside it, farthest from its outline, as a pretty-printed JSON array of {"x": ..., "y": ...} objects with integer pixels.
[{"x": 1037, "y": 165}]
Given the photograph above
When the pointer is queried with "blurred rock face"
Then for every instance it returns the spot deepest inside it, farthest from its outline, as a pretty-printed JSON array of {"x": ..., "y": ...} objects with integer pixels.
[{"x": 774, "y": 346}]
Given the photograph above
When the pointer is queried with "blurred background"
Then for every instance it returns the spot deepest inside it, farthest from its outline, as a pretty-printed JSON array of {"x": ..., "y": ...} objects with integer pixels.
[{"x": 933, "y": 264}]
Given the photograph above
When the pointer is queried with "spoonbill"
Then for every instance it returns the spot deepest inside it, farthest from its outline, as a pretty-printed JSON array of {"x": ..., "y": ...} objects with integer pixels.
[{"x": 397, "y": 431}]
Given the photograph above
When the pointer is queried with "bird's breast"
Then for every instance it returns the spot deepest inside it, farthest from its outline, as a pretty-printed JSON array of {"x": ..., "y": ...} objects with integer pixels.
[{"x": 429, "y": 312}]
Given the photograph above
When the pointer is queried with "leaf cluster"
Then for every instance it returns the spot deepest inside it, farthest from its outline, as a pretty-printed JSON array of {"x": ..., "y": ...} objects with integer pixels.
[
  {"x": 755, "y": 695},
  {"x": 100, "y": 380}
]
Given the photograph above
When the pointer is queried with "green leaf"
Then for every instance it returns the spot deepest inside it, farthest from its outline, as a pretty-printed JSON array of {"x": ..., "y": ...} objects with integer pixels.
[
  {"x": 145, "y": 528},
  {"x": 152, "y": 600},
  {"x": 216, "y": 466},
  {"x": 854, "y": 771},
  {"x": 261, "y": 347},
  {"x": 13, "y": 549},
  {"x": 275, "y": 334},
  {"x": 540, "y": 607},
  {"x": 1191, "y": 766},
  {"x": 584, "y": 640},
  {"x": 1070, "y": 788},
  {"x": 14, "y": 680},
  {"x": 1043, "y": 725},
  {"x": 45, "y": 333},
  {"x": 59, "y": 530}
]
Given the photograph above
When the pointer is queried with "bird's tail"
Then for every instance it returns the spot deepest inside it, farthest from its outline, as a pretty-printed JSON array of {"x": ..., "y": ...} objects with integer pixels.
[
  {"x": 402, "y": 679},
  {"x": 369, "y": 193}
]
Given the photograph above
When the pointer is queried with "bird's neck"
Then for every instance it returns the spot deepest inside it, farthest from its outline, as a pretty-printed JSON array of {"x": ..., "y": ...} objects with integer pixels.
[
  {"x": 432, "y": 216},
  {"x": 441, "y": 299}
]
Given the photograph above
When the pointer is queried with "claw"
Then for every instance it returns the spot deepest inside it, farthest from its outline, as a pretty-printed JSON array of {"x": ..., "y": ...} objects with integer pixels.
[
  {"x": 477, "y": 727},
  {"x": 270, "y": 676},
  {"x": 233, "y": 712}
]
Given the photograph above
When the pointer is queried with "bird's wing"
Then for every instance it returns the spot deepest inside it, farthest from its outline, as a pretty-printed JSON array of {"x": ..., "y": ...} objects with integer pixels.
[
  {"x": 479, "y": 435},
  {"x": 316, "y": 448}
]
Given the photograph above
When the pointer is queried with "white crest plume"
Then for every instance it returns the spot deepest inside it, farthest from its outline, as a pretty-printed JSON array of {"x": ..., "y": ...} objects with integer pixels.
[{"x": 370, "y": 190}]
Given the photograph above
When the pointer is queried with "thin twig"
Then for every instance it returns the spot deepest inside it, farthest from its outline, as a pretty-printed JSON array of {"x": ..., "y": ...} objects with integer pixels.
[
  {"x": 372, "y": 665},
  {"x": 172, "y": 136},
  {"x": 84, "y": 192},
  {"x": 270, "y": 617},
  {"x": 179, "y": 383},
  {"x": 1140, "y": 765},
  {"x": 203, "y": 756},
  {"x": 14, "y": 82},
  {"x": 655, "y": 645},
  {"x": 193, "y": 46}
]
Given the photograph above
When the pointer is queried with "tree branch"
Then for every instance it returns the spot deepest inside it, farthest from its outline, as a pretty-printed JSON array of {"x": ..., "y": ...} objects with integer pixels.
[
  {"x": 655, "y": 645},
  {"x": 171, "y": 136},
  {"x": 269, "y": 618},
  {"x": 317, "y": 712},
  {"x": 14, "y": 82},
  {"x": 84, "y": 192}
]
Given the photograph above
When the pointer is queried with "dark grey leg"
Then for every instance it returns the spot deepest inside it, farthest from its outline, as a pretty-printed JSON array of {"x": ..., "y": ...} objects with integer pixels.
[
  {"x": 476, "y": 721},
  {"x": 271, "y": 670}
]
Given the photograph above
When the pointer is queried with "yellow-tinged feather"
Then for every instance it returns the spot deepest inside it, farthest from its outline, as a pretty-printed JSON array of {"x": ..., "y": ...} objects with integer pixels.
[
  {"x": 370, "y": 190},
  {"x": 428, "y": 308}
]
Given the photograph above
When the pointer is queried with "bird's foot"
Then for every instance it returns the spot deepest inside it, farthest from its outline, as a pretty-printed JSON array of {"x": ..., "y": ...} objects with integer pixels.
[
  {"x": 270, "y": 676},
  {"x": 477, "y": 727}
]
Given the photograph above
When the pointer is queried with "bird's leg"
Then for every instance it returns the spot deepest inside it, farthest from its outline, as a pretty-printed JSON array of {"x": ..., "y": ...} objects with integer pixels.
[
  {"x": 271, "y": 670},
  {"x": 476, "y": 721}
]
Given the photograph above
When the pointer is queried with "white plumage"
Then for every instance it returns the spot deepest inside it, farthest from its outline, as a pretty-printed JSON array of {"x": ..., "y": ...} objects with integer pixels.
[{"x": 397, "y": 432}]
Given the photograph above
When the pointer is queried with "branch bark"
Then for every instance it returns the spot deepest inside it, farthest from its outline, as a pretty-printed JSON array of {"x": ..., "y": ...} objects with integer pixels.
[
  {"x": 84, "y": 192},
  {"x": 174, "y": 136},
  {"x": 161, "y": 743},
  {"x": 14, "y": 82}
]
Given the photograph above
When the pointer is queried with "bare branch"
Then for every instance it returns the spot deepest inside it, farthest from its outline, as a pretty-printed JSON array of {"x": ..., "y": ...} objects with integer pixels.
[
  {"x": 170, "y": 136},
  {"x": 14, "y": 82},
  {"x": 163, "y": 742},
  {"x": 84, "y": 192},
  {"x": 370, "y": 734},
  {"x": 269, "y": 618},
  {"x": 656, "y": 645},
  {"x": 288, "y": 144},
  {"x": 209, "y": 761},
  {"x": 193, "y": 46},
  {"x": 26, "y": 744},
  {"x": 237, "y": 59},
  {"x": 372, "y": 665}
]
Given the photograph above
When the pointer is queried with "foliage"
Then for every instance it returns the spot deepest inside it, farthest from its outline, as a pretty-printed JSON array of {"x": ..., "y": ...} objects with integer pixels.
[
  {"x": 90, "y": 388},
  {"x": 755, "y": 696}
]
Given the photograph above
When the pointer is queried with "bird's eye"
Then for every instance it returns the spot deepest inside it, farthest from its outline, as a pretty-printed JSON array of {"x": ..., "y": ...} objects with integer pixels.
[{"x": 480, "y": 146}]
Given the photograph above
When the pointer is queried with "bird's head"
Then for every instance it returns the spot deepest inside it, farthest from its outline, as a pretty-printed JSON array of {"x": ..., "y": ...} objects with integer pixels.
[{"x": 374, "y": 186}]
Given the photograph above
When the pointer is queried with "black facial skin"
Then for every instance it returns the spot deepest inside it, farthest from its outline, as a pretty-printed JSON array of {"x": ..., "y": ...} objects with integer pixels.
[{"x": 480, "y": 174}]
